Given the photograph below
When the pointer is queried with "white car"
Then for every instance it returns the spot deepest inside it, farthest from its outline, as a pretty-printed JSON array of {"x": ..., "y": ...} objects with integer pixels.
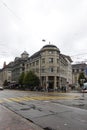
[
  {"x": 84, "y": 88},
  {"x": 1, "y": 88}
]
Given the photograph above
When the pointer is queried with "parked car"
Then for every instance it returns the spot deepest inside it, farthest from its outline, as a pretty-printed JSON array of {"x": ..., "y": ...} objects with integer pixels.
[
  {"x": 1, "y": 88},
  {"x": 84, "y": 88}
]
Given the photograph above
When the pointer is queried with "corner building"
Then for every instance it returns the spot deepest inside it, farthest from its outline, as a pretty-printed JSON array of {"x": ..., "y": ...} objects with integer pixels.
[{"x": 51, "y": 67}]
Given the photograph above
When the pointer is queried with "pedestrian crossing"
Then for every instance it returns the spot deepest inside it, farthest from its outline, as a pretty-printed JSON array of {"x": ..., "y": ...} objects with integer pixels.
[{"x": 40, "y": 98}]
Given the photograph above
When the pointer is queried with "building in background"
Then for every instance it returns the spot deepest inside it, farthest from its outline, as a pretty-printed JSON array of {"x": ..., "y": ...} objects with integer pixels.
[
  {"x": 19, "y": 66},
  {"x": 76, "y": 70},
  {"x": 6, "y": 73}
]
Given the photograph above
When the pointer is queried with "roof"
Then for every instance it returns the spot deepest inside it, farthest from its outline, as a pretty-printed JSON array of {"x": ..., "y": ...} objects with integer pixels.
[
  {"x": 68, "y": 57},
  {"x": 49, "y": 45},
  {"x": 24, "y": 53},
  {"x": 35, "y": 55},
  {"x": 81, "y": 65}
]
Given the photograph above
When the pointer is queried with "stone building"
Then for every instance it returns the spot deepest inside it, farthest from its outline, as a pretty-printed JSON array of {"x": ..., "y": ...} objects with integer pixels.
[
  {"x": 19, "y": 66},
  {"x": 53, "y": 68},
  {"x": 6, "y": 73},
  {"x": 76, "y": 70}
]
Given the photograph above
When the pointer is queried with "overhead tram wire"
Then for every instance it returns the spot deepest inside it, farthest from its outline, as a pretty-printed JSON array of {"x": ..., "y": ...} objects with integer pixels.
[
  {"x": 13, "y": 13},
  {"x": 6, "y": 6},
  {"x": 79, "y": 58},
  {"x": 78, "y": 54}
]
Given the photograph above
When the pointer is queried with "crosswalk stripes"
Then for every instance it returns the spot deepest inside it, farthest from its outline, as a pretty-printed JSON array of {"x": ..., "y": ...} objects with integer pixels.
[
  {"x": 1, "y": 101},
  {"x": 5, "y": 100},
  {"x": 27, "y": 98}
]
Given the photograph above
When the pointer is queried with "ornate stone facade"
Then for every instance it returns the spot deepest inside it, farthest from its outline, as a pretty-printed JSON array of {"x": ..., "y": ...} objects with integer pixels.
[{"x": 51, "y": 66}]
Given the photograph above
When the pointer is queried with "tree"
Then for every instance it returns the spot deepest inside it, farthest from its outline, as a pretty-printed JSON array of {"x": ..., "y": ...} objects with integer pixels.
[
  {"x": 21, "y": 78},
  {"x": 81, "y": 79},
  {"x": 31, "y": 80},
  {"x": 26, "y": 78}
]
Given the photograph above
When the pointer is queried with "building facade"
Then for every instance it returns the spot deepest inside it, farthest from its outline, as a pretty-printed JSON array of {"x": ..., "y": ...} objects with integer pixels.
[
  {"x": 19, "y": 66},
  {"x": 53, "y": 68},
  {"x": 50, "y": 66},
  {"x": 6, "y": 73},
  {"x": 76, "y": 70}
]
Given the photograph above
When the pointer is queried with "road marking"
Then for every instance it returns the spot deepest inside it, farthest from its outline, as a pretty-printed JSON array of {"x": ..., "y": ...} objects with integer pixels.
[
  {"x": 14, "y": 99},
  {"x": 40, "y": 98},
  {"x": 24, "y": 98},
  {"x": 1, "y": 101},
  {"x": 5, "y": 99}
]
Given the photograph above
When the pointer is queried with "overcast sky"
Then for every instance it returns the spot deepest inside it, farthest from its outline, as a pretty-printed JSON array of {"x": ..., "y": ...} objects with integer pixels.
[{"x": 24, "y": 23}]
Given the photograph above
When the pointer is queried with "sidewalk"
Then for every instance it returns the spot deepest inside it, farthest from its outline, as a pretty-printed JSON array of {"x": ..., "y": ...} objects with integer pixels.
[{"x": 11, "y": 121}]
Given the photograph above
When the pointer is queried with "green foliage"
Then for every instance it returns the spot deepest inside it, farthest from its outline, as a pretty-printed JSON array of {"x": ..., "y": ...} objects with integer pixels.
[
  {"x": 21, "y": 78},
  {"x": 31, "y": 80},
  {"x": 26, "y": 78},
  {"x": 81, "y": 79}
]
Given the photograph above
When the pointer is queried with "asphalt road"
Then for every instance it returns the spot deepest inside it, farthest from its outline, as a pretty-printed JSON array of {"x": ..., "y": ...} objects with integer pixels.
[{"x": 50, "y": 111}]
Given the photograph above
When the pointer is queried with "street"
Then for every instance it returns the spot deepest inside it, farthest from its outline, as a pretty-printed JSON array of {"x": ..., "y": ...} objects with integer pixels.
[{"x": 49, "y": 111}]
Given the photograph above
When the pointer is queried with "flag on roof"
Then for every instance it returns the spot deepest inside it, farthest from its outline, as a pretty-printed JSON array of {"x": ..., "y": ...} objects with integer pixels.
[{"x": 43, "y": 40}]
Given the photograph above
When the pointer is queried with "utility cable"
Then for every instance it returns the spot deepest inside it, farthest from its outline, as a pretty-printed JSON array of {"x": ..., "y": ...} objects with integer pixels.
[{"x": 6, "y": 6}]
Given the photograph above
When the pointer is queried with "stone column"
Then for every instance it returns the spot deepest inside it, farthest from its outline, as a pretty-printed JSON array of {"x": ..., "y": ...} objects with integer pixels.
[
  {"x": 47, "y": 83},
  {"x": 55, "y": 86}
]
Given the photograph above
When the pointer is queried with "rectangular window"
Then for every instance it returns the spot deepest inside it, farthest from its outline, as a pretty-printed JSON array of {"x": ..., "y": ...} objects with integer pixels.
[
  {"x": 82, "y": 70},
  {"x": 23, "y": 69},
  {"x": 51, "y": 69},
  {"x": 37, "y": 62},
  {"x": 51, "y": 52},
  {"x": 73, "y": 70},
  {"x": 43, "y": 60},
  {"x": 43, "y": 70},
  {"x": 77, "y": 70},
  {"x": 50, "y": 60},
  {"x": 23, "y": 64}
]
